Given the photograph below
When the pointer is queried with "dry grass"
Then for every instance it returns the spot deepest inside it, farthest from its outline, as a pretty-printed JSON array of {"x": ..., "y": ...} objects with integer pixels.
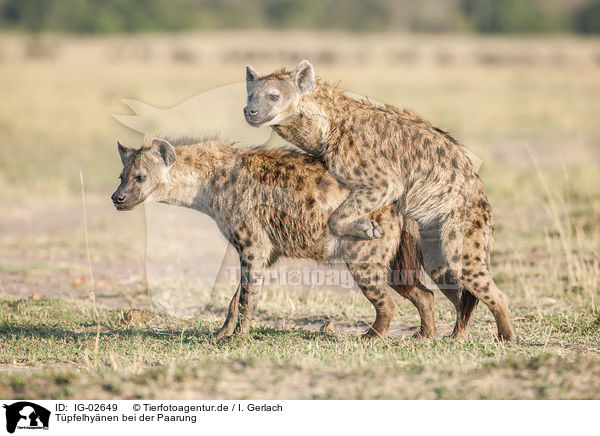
[{"x": 527, "y": 107}]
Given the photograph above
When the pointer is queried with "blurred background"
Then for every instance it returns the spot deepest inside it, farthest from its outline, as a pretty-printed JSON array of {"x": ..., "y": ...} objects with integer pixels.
[
  {"x": 516, "y": 81},
  {"x": 464, "y": 16}
]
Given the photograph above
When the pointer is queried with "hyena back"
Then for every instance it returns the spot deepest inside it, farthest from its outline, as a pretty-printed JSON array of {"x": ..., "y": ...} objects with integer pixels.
[
  {"x": 272, "y": 204},
  {"x": 390, "y": 156}
]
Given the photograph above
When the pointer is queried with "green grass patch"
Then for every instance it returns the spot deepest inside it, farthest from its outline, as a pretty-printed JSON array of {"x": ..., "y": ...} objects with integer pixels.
[{"x": 61, "y": 348}]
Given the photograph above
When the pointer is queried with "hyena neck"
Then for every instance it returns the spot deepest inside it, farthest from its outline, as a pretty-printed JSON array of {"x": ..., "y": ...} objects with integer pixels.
[
  {"x": 191, "y": 181},
  {"x": 314, "y": 123}
]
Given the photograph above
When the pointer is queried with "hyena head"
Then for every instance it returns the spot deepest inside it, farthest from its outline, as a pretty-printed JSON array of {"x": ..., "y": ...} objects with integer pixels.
[
  {"x": 144, "y": 171},
  {"x": 273, "y": 98}
]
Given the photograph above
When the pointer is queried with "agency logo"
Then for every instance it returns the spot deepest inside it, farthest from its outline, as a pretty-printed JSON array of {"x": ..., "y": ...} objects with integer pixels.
[{"x": 26, "y": 415}]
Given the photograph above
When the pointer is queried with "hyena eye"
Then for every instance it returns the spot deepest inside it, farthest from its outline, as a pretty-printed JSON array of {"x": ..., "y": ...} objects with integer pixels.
[
  {"x": 140, "y": 179},
  {"x": 273, "y": 97}
]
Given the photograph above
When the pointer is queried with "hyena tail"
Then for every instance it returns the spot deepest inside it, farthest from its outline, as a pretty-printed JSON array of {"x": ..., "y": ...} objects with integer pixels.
[
  {"x": 408, "y": 262},
  {"x": 468, "y": 302}
]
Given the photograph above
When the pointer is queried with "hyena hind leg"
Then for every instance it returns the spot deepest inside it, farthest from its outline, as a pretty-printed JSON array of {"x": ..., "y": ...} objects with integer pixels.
[
  {"x": 466, "y": 258},
  {"x": 422, "y": 298},
  {"x": 371, "y": 281},
  {"x": 464, "y": 302},
  {"x": 479, "y": 282}
]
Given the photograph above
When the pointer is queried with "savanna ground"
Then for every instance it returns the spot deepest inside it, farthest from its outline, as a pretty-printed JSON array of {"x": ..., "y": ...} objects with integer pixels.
[{"x": 527, "y": 107}]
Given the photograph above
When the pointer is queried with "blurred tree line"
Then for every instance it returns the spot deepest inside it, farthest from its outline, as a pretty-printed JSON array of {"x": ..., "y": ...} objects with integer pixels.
[{"x": 486, "y": 16}]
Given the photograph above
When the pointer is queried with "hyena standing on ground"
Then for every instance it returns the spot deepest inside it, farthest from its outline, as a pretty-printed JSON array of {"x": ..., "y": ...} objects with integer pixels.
[
  {"x": 390, "y": 156},
  {"x": 271, "y": 204}
]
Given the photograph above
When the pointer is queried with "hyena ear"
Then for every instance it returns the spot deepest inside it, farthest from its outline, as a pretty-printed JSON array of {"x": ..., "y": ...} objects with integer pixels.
[
  {"x": 165, "y": 150},
  {"x": 124, "y": 152},
  {"x": 251, "y": 76},
  {"x": 304, "y": 77}
]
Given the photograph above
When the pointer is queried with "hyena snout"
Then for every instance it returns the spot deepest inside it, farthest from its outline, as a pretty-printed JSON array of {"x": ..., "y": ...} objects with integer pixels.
[
  {"x": 250, "y": 111},
  {"x": 118, "y": 197},
  {"x": 252, "y": 115}
]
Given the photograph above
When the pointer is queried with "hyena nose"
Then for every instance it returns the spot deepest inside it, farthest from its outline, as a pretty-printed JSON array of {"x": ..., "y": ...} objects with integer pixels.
[
  {"x": 251, "y": 111},
  {"x": 118, "y": 198}
]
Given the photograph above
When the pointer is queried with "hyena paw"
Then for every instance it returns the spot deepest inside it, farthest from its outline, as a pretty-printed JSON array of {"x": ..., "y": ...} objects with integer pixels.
[
  {"x": 423, "y": 333},
  {"x": 371, "y": 335},
  {"x": 370, "y": 229},
  {"x": 235, "y": 338}
]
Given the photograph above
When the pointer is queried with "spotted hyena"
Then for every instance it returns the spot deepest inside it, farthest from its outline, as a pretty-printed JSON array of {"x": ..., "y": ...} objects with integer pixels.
[
  {"x": 387, "y": 156},
  {"x": 272, "y": 204}
]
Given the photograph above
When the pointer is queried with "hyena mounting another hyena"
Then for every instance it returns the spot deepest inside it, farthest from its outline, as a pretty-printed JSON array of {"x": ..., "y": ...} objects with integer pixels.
[
  {"x": 271, "y": 204},
  {"x": 386, "y": 156}
]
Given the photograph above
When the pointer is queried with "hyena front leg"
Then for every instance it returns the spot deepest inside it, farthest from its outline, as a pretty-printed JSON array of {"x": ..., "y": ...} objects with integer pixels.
[
  {"x": 251, "y": 280},
  {"x": 232, "y": 317},
  {"x": 348, "y": 219}
]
